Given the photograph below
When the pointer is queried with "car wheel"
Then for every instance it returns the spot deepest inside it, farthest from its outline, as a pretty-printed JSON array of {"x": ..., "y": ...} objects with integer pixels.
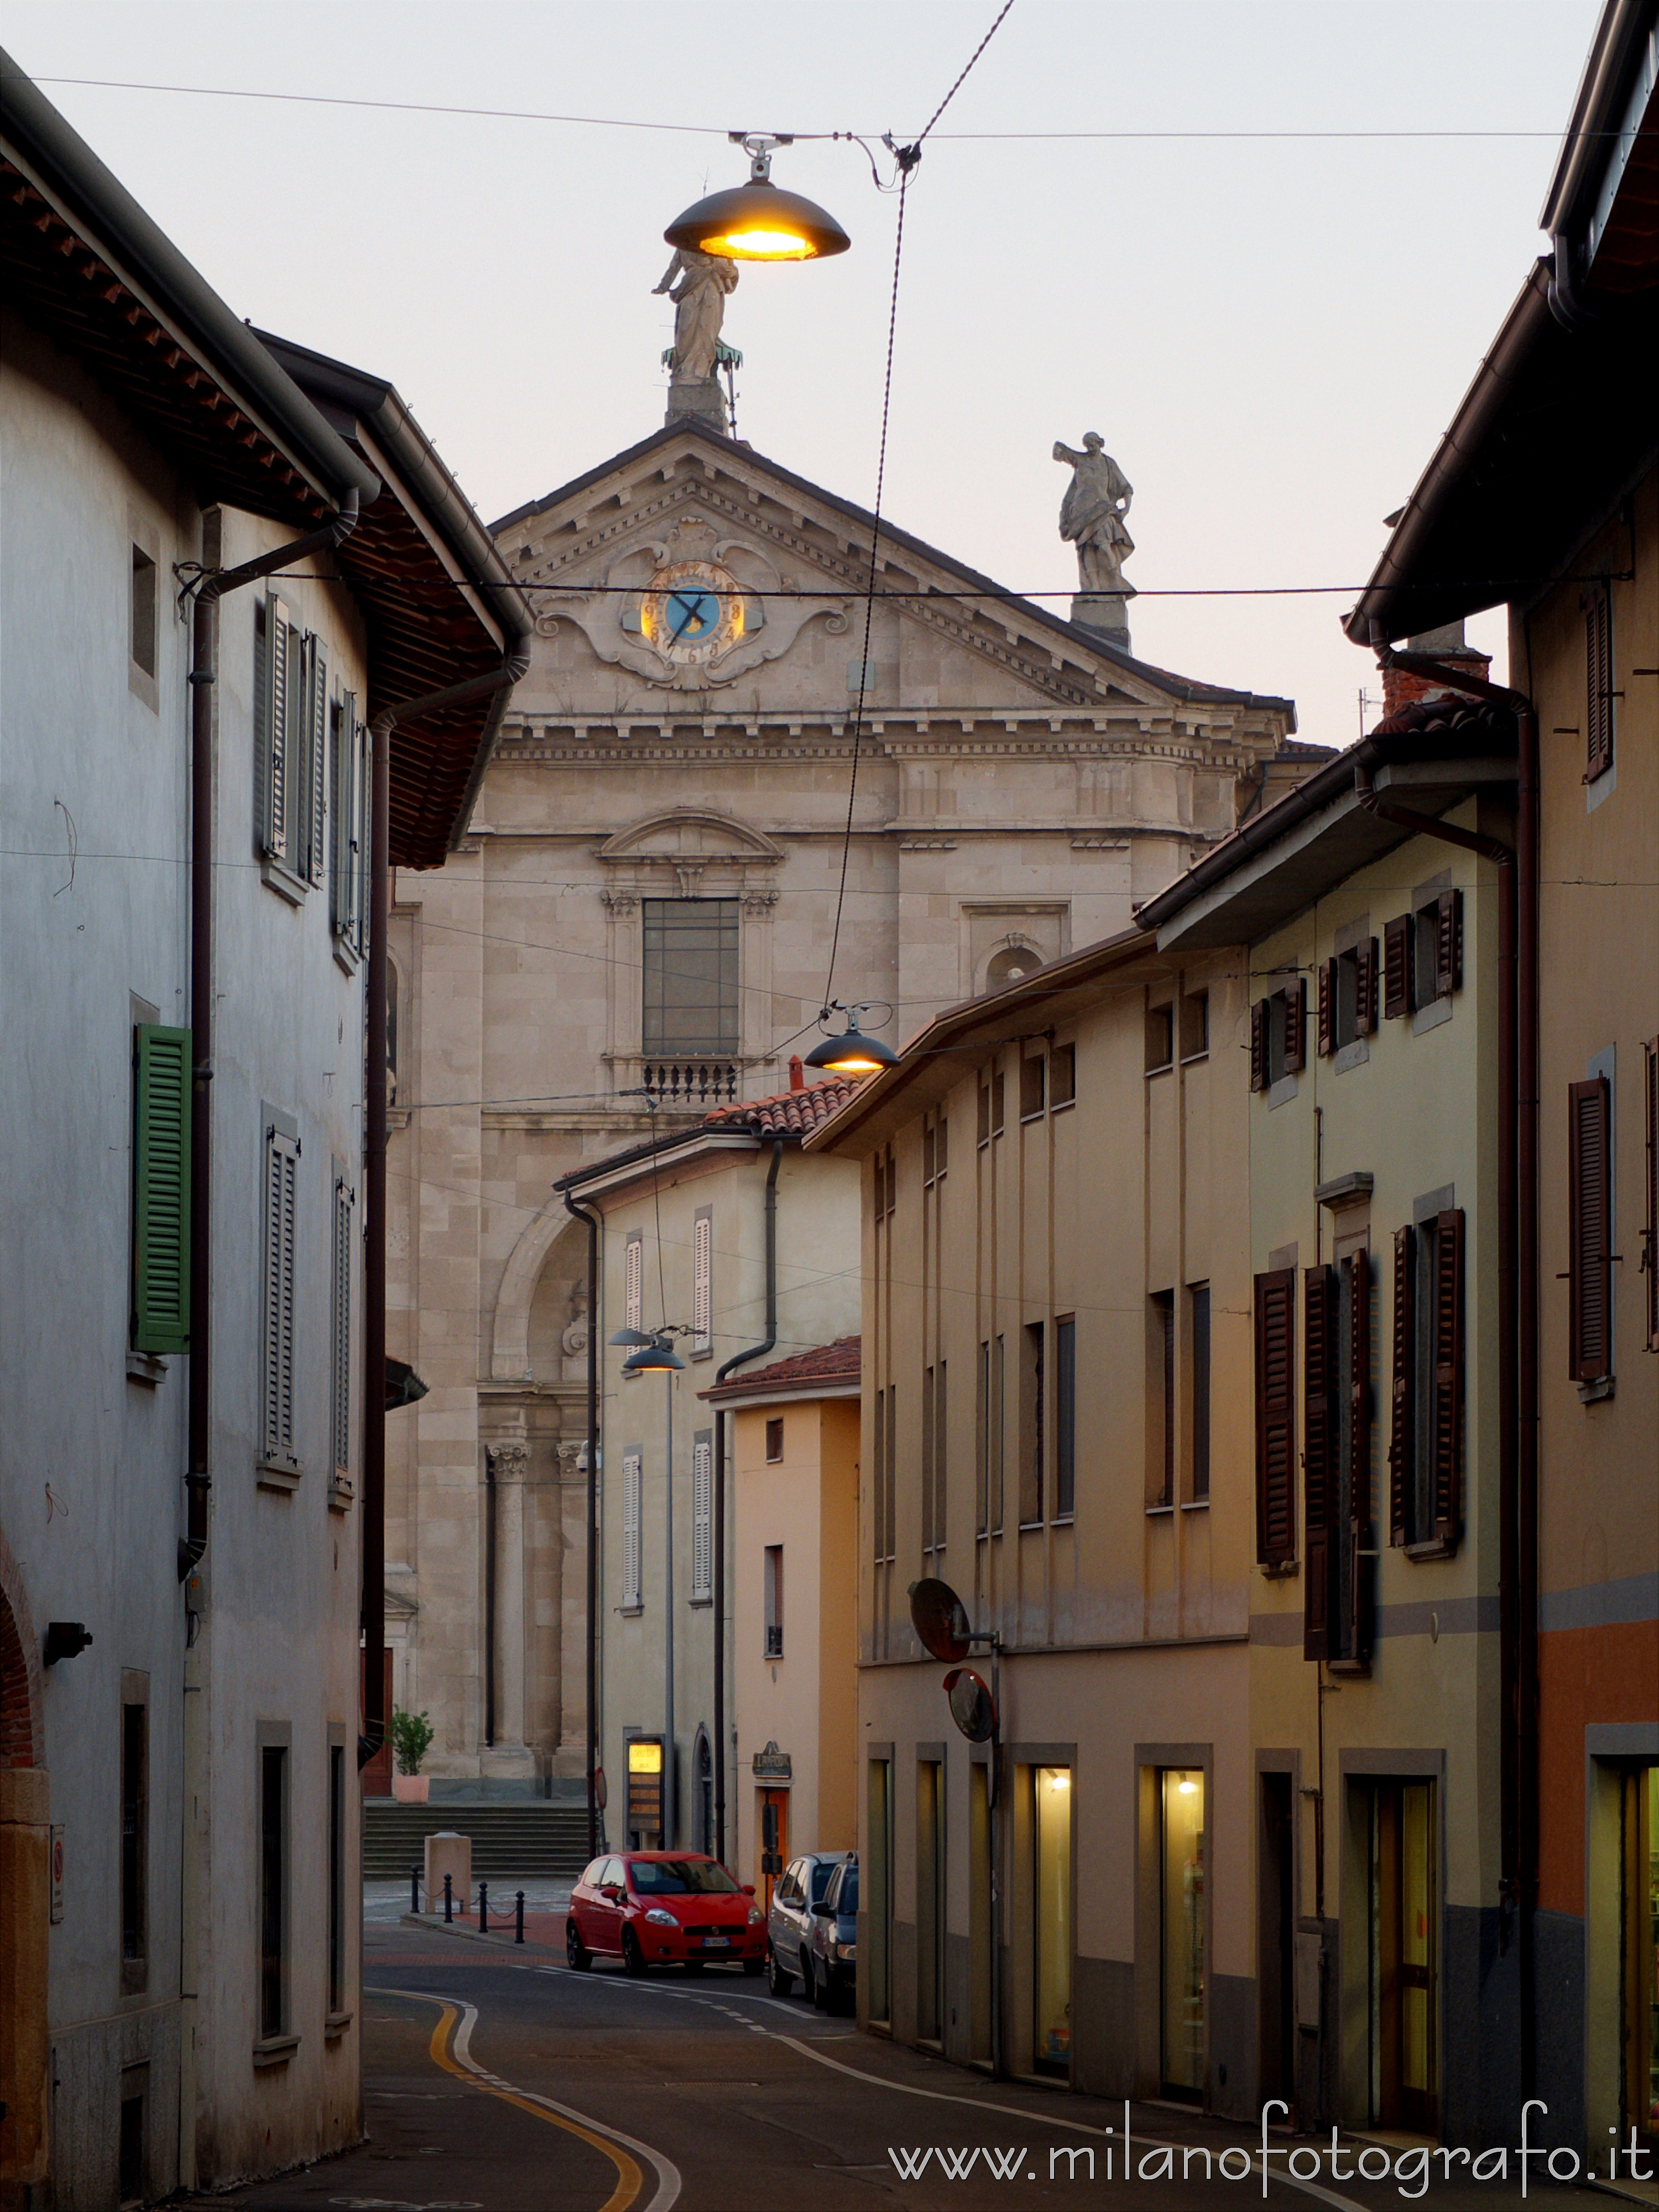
[
  {"x": 779, "y": 1979},
  {"x": 842, "y": 2000},
  {"x": 806, "y": 1975},
  {"x": 575, "y": 1950},
  {"x": 820, "y": 1986},
  {"x": 633, "y": 1957},
  {"x": 752, "y": 1967}
]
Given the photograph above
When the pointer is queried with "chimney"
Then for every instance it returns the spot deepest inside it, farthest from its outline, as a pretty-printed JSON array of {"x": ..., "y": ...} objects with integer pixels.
[
  {"x": 1400, "y": 687},
  {"x": 797, "y": 1072}
]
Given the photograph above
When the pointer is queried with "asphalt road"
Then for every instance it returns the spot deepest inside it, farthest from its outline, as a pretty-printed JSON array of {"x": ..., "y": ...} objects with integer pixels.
[{"x": 499, "y": 2080}]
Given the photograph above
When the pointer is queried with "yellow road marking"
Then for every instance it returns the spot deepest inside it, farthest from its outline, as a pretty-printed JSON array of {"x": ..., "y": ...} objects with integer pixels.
[{"x": 629, "y": 2179}]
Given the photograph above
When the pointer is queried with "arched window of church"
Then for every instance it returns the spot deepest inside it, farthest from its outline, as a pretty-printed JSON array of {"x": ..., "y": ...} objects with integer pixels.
[
  {"x": 1009, "y": 965},
  {"x": 690, "y": 953}
]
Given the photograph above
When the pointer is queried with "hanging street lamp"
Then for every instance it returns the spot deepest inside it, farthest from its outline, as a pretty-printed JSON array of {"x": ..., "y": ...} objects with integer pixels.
[
  {"x": 853, "y": 1052},
  {"x": 759, "y": 221},
  {"x": 654, "y": 1356}
]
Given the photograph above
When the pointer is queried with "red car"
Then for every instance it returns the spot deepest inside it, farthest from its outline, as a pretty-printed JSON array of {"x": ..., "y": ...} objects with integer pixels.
[{"x": 660, "y": 1909}]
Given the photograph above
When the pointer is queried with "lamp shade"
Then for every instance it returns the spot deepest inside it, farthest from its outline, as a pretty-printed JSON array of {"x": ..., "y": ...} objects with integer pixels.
[
  {"x": 653, "y": 1359},
  {"x": 632, "y": 1336},
  {"x": 852, "y": 1053},
  {"x": 758, "y": 221}
]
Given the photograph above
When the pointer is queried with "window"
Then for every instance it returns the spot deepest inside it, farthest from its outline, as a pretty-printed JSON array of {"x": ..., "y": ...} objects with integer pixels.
[
  {"x": 1194, "y": 1025},
  {"x": 703, "y": 1284},
  {"x": 1650, "y": 1192},
  {"x": 878, "y": 1487},
  {"x": 1347, "y": 996},
  {"x": 633, "y": 1280},
  {"x": 277, "y": 1443},
  {"x": 1032, "y": 1069},
  {"x": 1336, "y": 1461},
  {"x": 691, "y": 979},
  {"x": 983, "y": 1442},
  {"x": 1062, "y": 1077},
  {"x": 886, "y": 1184},
  {"x": 702, "y": 1517},
  {"x": 340, "y": 1331},
  {"x": 1590, "y": 1229},
  {"x": 632, "y": 1598},
  {"x": 1275, "y": 1418},
  {"x": 774, "y": 1437},
  {"x": 1031, "y": 1380},
  {"x": 135, "y": 1833},
  {"x": 1011, "y": 965},
  {"x": 1278, "y": 1029},
  {"x": 1598, "y": 677},
  {"x": 1423, "y": 954},
  {"x": 290, "y": 723},
  {"x": 1161, "y": 1347},
  {"x": 349, "y": 852},
  {"x": 144, "y": 612},
  {"x": 1065, "y": 1417},
  {"x": 890, "y": 1542},
  {"x": 935, "y": 1150},
  {"x": 273, "y": 1890},
  {"x": 933, "y": 1458},
  {"x": 1425, "y": 1439},
  {"x": 336, "y": 1878},
  {"x": 1160, "y": 1039},
  {"x": 1198, "y": 1309},
  {"x": 160, "y": 1197},
  {"x": 774, "y": 1597},
  {"x": 132, "y": 2163},
  {"x": 997, "y": 1117}
]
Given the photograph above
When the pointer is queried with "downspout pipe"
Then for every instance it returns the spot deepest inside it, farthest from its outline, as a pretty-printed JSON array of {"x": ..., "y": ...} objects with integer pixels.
[
  {"x": 206, "y": 593},
  {"x": 738, "y": 1360},
  {"x": 375, "y": 1106},
  {"x": 1519, "y": 1437},
  {"x": 591, "y": 1219}
]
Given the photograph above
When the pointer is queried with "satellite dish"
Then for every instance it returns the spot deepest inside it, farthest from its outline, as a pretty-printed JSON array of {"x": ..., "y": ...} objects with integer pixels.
[
  {"x": 972, "y": 1706},
  {"x": 939, "y": 1620}
]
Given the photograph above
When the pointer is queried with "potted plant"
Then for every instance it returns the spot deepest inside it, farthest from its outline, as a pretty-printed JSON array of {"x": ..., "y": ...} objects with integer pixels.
[{"x": 411, "y": 1733}]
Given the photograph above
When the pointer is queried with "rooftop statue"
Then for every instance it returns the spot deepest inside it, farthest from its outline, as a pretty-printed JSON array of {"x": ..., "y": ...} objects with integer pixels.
[
  {"x": 698, "y": 284},
  {"x": 1092, "y": 517}
]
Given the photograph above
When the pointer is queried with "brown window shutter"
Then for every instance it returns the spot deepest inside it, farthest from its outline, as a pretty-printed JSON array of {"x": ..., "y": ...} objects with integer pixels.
[
  {"x": 1326, "y": 1005},
  {"x": 1357, "y": 1640},
  {"x": 1295, "y": 1001},
  {"x": 1365, "y": 993},
  {"x": 1598, "y": 670},
  {"x": 1396, "y": 967},
  {"x": 1275, "y": 1417},
  {"x": 1259, "y": 1045},
  {"x": 1651, "y": 1210},
  {"x": 1446, "y": 1441},
  {"x": 1589, "y": 1115},
  {"x": 1448, "y": 944},
  {"x": 1402, "y": 1428},
  {"x": 1319, "y": 1458}
]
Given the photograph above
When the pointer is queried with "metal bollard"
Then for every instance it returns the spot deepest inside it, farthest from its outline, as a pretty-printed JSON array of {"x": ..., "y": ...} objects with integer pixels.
[
  {"x": 413, "y": 1889},
  {"x": 484, "y": 1908},
  {"x": 449, "y": 1901},
  {"x": 518, "y": 1937}
]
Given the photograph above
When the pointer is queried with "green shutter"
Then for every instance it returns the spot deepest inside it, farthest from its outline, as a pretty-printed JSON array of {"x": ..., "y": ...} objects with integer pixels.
[{"x": 161, "y": 1215}]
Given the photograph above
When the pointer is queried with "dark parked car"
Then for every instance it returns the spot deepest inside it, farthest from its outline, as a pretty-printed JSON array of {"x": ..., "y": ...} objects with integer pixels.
[
  {"x": 797, "y": 1889},
  {"x": 833, "y": 1957}
]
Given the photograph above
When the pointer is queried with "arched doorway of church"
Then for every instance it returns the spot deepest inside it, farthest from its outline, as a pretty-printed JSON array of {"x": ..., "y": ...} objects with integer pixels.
[{"x": 25, "y": 1899}]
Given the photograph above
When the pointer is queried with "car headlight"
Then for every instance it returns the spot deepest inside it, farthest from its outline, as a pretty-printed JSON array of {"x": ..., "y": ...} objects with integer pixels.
[
  {"x": 846, "y": 1952},
  {"x": 756, "y": 1915},
  {"x": 661, "y": 1919}
]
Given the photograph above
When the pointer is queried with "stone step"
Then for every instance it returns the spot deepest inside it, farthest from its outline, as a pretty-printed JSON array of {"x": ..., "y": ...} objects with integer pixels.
[{"x": 508, "y": 1838}]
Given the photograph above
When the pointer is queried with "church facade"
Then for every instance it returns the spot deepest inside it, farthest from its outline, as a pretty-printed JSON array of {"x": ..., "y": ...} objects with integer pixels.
[{"x": 638, "y": 928}]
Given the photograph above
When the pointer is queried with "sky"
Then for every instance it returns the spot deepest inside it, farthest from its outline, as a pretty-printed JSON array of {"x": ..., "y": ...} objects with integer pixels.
[{"x": 1269, "y": 311}]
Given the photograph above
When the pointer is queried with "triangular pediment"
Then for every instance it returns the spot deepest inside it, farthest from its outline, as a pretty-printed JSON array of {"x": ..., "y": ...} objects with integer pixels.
[{"x": 789, "y": 561}]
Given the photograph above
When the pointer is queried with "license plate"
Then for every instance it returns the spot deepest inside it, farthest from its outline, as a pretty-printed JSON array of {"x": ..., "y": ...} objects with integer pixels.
[{"x": 717, "y": 1943}]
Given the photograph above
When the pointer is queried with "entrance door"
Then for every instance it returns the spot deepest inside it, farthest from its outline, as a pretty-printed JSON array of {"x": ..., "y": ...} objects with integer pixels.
[
  {"x": 1276, "y": 1940},
  {"x": 1051, "y": 1855},
  {"x": 1640, "y": 1838},
  {"x": 1404, "y": 2062},
  {"x": 377, "y": 1774},
  {"x": 772, "y": 1830},
  {"x": 930, "y": 1901},
  {"x": 1181, "y": 1823}
]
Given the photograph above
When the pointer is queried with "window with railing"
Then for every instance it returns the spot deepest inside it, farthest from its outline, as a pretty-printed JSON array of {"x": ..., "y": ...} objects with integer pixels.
[{"x": 689, "y": 960}]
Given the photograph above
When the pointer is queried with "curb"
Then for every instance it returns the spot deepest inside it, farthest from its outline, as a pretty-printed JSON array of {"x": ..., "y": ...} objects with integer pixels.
[{"x": 435, "y": 1922}]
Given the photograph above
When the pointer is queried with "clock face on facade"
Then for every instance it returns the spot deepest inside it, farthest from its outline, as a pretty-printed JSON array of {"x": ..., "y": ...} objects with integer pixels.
[{"x": 692, "y": 611}]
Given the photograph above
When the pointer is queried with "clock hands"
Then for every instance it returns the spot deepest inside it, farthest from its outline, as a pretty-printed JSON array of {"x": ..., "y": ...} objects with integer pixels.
[{"x": 691, "y": 603}]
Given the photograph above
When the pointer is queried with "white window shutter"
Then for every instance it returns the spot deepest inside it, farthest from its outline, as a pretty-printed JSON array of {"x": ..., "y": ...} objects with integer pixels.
[
  {"x": 635, "y": 1264},
  {"x": 703, "y": 1283},
  {"x": 339, "y": 830},
  {"x": 631, "y": 1484},
  {"x": 281, "y": 1197},
  {"x": 275, "y": 641},
  {"x": 702, "y": 1519},
  {"x": 316, "y": 744},
  {"x": 359, "y": 833},
  {"x": 340, "y": 1392}
]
